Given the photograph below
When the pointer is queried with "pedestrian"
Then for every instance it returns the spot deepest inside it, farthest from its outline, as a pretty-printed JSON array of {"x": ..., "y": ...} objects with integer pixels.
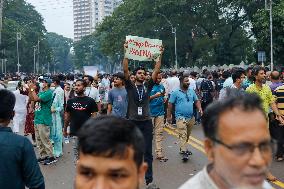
[
  {"x": 91, "y": 91},
  {"x": 113, "y": 161},
  {"x": 238, "y": 77},
  {"x": 206, "y": 91},
  {"x": 138, "y": 109},
  {"x": 43, "y": 121},
  {"x": 157, "y": 112},
  {"x": 268, "y": 100},
  {"x": 20, "y": 108},
  {"x": 18, "y": 167},
  {"x": 173, "y": 84},
  {"x": 184, "y": 99},
  {"x": 276, "y": 128},
  {"x": 237, "y": 145},
  {"x": 117, "y": 97},
  {"x": 57, "y": 109},
  {"x": 78, "y": 110}
]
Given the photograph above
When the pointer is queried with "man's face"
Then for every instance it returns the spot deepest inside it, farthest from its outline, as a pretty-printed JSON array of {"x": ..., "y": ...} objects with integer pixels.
[
  {"x": 260, "y": 76},
  {"x": 87, "y": 80},
  {"x": 44, "y": 84},
  {"x": 67, "y": 87},
  {"x": 242, "y": 78},
  {"x": 95, "y": 172},
  {"x": 159, "y": 79},
  {"x": 117, "y": 81},
  {"x": 140, "y": 75},
  {"x": 148, "y": 76},
  {"x": 132, "y": 78},
  {"x": 239, "y": 129},
  {"x": 186, "y": 83},
  {"x": 79, "y": 87}
]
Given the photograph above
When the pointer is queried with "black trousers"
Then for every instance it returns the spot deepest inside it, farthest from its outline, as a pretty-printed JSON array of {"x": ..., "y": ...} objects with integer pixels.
[
  {"x": 277, "y": 133},
  {"x": 146, "y": 127}
]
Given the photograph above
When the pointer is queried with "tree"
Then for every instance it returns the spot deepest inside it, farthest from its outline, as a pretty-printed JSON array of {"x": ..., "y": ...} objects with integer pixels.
[
  {"x": 21, "y": 17},
  {"x": 208, "y": 32},
  {"x": 60, "y": 52}
]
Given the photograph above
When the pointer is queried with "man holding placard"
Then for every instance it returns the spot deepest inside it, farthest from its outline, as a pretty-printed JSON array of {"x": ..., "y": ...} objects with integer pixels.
[{"x": 138, "y": 104}]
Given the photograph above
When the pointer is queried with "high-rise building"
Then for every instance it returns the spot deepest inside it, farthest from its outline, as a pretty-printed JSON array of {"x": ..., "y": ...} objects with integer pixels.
[{"x": 89, "y": 13}]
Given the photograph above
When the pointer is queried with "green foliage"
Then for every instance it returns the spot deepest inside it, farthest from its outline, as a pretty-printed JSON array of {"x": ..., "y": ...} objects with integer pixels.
[
  {"x": 21, "y": 17},
  {"x": 208, "y": 32},
  {"x": 60, "y": 52}
]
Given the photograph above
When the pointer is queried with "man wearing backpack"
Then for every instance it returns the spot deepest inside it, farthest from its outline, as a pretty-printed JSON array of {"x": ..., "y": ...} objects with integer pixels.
[{"x": 206, "y": 91}]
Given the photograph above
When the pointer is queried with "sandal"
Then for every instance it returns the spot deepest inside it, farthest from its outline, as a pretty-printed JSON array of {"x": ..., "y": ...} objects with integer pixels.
[
  {"x": 279, "y": 159},
  {"x": 162, "y": 158}
]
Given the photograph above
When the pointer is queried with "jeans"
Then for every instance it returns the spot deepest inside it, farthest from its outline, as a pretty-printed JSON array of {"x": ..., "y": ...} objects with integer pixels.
[
  {"x": 146, "y": 128},
  {"x": 74, "y": 141}
]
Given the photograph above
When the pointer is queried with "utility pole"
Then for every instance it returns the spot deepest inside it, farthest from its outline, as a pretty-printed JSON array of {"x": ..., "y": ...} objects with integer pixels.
[
  {"x": 269, "y": 8},
  {"x": 37, "y": 66},
  {"x": 34, "y": 60},
  {"x": 1, "y": 21},
  {"x": 18, "y": 55}
]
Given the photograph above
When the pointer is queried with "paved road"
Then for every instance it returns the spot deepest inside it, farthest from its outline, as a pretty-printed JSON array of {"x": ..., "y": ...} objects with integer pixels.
[{"x": 168, "y": 175}]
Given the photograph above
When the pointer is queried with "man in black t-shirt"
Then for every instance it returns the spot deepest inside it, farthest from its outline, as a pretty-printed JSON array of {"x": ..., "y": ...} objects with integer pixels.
[
  {"x": 138, "y": 108},
  {"x": 78, "y": 110}
]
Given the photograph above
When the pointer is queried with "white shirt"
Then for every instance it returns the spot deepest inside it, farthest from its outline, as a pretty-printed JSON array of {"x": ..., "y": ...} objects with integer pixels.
[
  {"x": 21, "y": 101},
  {"x": 202, "y": 180},
  {"x": 93, "y": 93},
  {"x": 173, "y": 84},
  {"x": 192, "y": 84},
  {"x": 228, "y": 82}
]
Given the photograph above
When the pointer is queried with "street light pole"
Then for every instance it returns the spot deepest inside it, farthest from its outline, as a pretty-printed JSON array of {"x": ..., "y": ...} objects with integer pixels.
[
  {"x": 34, "y": 59},
  {"x": 174, "y": 31},
  {"x": 271, "y": 31},
  {"x": 18, "y": 56}
]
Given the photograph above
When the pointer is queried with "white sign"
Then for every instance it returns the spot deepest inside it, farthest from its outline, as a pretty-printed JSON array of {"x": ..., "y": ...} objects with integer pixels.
[
  {"x": 143, "y": 49},
  {"x": 90, "y": 70}
]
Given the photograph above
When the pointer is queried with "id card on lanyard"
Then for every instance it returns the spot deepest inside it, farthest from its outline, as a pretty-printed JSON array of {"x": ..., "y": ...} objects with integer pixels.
[{"x": 140, "y": 98}]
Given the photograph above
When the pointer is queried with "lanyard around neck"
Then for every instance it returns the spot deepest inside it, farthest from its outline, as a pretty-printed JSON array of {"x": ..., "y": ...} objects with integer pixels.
[{"x": 140, "y": 94}]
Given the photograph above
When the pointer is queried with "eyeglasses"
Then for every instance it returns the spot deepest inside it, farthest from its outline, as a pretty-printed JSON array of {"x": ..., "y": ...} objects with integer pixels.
[{"x": 247, "y": 149}]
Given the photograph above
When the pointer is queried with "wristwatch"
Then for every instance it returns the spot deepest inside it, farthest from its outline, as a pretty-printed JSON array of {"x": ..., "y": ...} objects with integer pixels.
[{"x": 32, "y": 90}]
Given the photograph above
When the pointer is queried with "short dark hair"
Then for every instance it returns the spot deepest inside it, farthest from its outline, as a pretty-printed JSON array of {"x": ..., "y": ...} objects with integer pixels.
[
  {"x": 257, "y": 69},
  {"x": 56, "y": 80},
  {"x": 139, "y": 68},
  {"x": 109, "y": 136},
  {"x": 7, "y": 104},
  {"x": 90, "y": 78},
  {"x": 237, "y": 74},
  {"x": 245, "y": 101},
  {"x": 83, "y": 82},
  {"x": 119, "y": 75},
  {"x": 181, "y": 78}
]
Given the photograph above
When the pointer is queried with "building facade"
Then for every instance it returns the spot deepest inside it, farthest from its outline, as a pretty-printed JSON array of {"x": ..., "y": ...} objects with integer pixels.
[{"x": 88, "y": 14}]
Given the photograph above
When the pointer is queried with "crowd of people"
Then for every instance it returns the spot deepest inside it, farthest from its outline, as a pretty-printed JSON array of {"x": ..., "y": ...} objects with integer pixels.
[{"x": 139, "y": 104}]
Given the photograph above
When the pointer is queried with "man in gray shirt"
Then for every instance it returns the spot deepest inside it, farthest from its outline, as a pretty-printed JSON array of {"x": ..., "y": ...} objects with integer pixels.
[{"x": 117, "y": 97}]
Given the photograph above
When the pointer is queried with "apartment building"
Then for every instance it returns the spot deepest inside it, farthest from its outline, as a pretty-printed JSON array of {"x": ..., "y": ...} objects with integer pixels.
[{"x": 90, "y": 13}]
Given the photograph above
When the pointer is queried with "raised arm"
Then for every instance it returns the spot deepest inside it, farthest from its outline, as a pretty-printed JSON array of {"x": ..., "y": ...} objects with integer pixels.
[
  {"x": 125, "y": 63},
  {"x": 157, "y": 66}
]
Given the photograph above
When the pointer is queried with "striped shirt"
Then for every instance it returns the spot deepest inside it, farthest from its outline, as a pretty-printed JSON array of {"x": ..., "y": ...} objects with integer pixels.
[{"x": 279, "y": 93}]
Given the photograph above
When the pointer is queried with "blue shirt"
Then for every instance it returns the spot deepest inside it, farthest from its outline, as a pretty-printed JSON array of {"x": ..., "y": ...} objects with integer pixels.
[
  {"x": 157, "y": 104},
  {"x": 19, "y": 166},
  {"x": 183, "y": 103}
]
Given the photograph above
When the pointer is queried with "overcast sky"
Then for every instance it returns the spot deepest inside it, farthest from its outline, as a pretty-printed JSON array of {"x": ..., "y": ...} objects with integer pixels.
[{"x": 58, "y": 15}]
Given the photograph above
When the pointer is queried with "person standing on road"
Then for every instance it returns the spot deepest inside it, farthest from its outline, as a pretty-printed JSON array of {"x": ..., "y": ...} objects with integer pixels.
[
  {"x": 18, "y": 167},
  {"x": 43, "y": 121},
  {"x": 20, "y": 109},
  {"x": 57, "y": 109},
  {"x": 78, "y": 110},
  {"x": 138, "y": 109},
  {"x": 91, "y": 91},
  {"x": 268, "y": 100},
  {"x": 184, "y": 99},
  {"x": 117, "y": 97},
  {"x": 237, "y": 145},
  {"x": 157, "y": 112}
]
